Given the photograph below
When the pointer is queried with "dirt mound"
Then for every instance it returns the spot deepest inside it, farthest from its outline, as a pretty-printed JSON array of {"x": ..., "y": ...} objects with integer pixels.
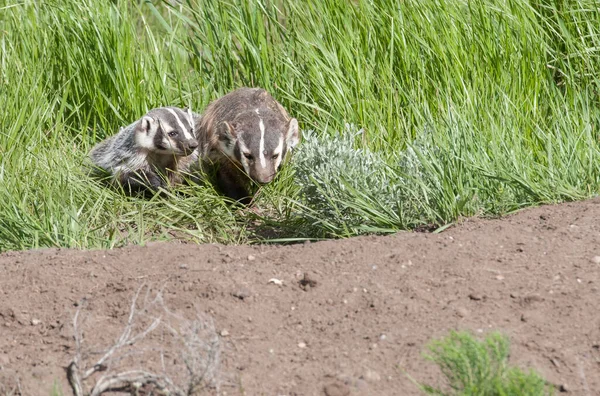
[{"x": 350, "y": 317}]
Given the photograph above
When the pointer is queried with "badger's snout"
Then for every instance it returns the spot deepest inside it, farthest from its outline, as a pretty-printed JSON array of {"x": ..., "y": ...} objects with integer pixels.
[
  {"x": 265, "y": 179},
  {"x": 190, "y": 145}
]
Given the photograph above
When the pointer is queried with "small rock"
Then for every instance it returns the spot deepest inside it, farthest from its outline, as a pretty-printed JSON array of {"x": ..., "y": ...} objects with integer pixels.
[
  {"x": 224, "y": 333},
  {"x": 242, "y": 293},
  {"x": 596, "y": 259},
  {"x": 462, "y": 312},
  {"x": 251, "y": 257},
  {"x": 555, "y": 363},
  {"x": 336, "y": 389},
  {"x": 475, "y": 296},
  {"x": 563, "y": 388},
  {"x": 531, "y": 298},
  {"x": 35, "y": 322},
  {"x": 382, "y": 337},
  {"x": 301, "y": 345},
  {"x": 276, "y": 281},
  {"x": 183, "y": 266},
  {"x": 499, "y": 277},
  {"x": 371, "y": 376}
]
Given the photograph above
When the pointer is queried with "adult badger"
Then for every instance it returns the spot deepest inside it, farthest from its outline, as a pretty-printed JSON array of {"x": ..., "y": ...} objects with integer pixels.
[
  {"x": 244, "y": 136},
  {"x": 150, "y": 152}
]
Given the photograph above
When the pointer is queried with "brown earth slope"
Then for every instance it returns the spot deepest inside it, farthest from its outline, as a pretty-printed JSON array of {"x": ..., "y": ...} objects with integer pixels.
[{"x": 360, "y": 326}]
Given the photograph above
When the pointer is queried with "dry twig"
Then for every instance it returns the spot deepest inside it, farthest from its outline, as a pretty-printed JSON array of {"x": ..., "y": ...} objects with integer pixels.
[{"x": 194, "y": 341}]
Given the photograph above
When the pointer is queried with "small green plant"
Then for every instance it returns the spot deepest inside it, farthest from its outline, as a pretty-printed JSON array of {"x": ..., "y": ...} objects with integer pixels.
[{"x": 480, "y": 368}]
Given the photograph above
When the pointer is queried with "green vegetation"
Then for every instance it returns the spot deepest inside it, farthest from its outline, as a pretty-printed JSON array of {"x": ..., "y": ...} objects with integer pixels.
[
  {"x": 415, "y": 112},
  {"x": 475, "y": 368}
]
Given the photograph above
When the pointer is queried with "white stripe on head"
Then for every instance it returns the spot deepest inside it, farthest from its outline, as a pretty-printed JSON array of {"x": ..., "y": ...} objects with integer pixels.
[
  {"x": 261, "y": 147},
  {"x": 278, "y": 152},
  {"x": 186, "y": 133}
]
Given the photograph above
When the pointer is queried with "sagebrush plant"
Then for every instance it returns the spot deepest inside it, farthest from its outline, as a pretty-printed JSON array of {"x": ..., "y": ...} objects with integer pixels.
[
  {"x": 480, "y": 368},
  {"x": 464, "y": 108}
]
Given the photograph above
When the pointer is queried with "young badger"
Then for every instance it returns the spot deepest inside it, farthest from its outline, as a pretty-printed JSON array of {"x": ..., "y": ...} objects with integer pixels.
[
  {"x": 148, "y": 153},
  {"x": 244, "y": 136}
]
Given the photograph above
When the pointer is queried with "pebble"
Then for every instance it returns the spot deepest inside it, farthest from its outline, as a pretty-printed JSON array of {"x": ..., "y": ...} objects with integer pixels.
[
  {"x": 596, "y": 259},
  {"x": 371, "y": 376},
  {"x": 251, "y": 257},
  {"x": 462, "y": 312},
  {"x": 475, "y": 296},
  {"x": 242, "y": 293},
  {"x": 301, "y": 345},
  {"x": 336, "y": 389},
  {"x": 224, "y": 333},
  {"x": 183, "y": 266},
  {"x": 35, "y": 322},
  {"x": 276, "y": 281}
]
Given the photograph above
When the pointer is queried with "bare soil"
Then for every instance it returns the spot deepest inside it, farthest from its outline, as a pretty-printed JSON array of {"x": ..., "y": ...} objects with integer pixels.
[{"x": 351, "y": 317}]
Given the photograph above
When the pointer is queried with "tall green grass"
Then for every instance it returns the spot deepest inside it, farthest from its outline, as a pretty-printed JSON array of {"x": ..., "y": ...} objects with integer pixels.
[{"x": 415, "y": 112}]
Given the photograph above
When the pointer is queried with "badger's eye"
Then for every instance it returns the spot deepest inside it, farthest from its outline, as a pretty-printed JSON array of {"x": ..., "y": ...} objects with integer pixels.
[
  {"x": 275, "y": 156},
  {"x": 248, "y": 156},
  {"x": 173, "y": 133}
]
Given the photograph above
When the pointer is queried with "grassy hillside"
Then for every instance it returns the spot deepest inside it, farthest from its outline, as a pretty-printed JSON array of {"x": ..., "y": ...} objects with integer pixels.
[{"x": 414, "y": 112}]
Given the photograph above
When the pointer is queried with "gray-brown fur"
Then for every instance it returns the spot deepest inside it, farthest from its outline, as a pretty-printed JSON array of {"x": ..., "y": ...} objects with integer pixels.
[
  {"x": 149, "y": 153},
  {"x": 244, "y": 137}
]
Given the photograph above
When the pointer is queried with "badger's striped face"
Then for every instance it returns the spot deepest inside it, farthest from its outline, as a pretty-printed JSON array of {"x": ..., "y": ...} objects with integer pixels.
[
  {"x": 168, "y": 130},
  {"x": 260, "y": 140}
]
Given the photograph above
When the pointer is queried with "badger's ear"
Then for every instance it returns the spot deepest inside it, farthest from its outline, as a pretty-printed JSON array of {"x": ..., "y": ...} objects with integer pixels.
[
  {"x": 148, "y": 125},
  {"x": 145, "y": 132},
  {"x": 292, "y": 138},
  {"x": 227, "y": 131},
  {"x": 188, "y": 111}
]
